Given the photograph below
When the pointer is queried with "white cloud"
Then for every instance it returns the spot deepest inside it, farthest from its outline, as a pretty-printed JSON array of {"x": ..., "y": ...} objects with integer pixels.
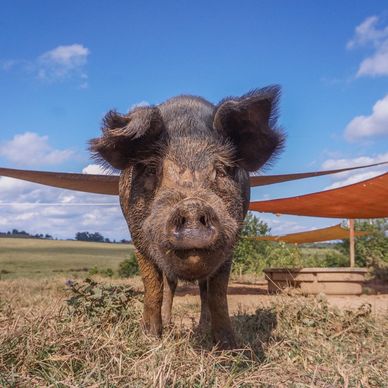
[
  {"x": 354, "y": 179},
  {"x": 60, "y": 63},
  {"x": 30, "y": 149},
  {"x": 285, "y": 224},
  {"x": 63, "y": 62},
  {"x": 69, "y": 56},
  {"x": 96, "y": 169},
  {"x": 350, "y": 177},
  {"x": 332, "y": 164},
  {"x": 375, "y": 124},
  {"x": 369, "y": 34},
  {"x": 41, "y": 209},
  {"x": 377, "y": 64}
]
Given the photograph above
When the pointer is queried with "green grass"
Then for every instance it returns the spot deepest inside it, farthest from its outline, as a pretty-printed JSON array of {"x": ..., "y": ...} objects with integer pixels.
[
  {"x": 32, "y": 258},
  {"x": 316, "y": 253},
  {"x": 42, "y": 258},
  {"x": 319, "y": 252}
]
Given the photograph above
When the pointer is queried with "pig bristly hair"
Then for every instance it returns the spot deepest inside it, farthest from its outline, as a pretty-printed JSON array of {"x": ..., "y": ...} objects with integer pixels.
[
  {"x": 250, "y": 121},
  {"x": 189, "y": 149}
]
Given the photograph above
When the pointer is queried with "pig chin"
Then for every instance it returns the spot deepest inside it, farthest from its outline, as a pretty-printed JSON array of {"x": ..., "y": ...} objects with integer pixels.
[{"x": 193, "y": 264}]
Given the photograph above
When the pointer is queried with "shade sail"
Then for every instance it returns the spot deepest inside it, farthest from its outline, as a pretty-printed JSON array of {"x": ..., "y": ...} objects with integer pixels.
[
  {"x": 335, "y": 232},
  {"x": 366, "y": 199},
  {"x": 98, "y": 184},
  {"x": 109, "y": 184},
  {"x": 272, "y": 179}
]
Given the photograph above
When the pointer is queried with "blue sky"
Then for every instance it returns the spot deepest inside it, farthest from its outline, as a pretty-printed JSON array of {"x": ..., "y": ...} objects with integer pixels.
[{"x": 64, "y": 64}]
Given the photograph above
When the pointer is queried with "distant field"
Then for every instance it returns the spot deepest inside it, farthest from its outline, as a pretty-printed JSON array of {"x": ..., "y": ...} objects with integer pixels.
[{"x": 42, "y": 258}]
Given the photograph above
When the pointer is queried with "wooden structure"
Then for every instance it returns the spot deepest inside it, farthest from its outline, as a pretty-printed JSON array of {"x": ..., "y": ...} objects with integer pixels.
[{"x": 331, "y": 281}]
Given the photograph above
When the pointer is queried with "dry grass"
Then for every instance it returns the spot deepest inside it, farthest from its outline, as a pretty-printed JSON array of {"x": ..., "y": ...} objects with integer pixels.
[{"x": 295, "y": 342}]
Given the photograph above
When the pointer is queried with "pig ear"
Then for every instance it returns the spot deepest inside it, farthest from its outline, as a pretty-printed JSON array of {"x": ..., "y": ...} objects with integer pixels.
[
  {"x": 250, "y": 122},
  {"x": 126, "y": 139}
]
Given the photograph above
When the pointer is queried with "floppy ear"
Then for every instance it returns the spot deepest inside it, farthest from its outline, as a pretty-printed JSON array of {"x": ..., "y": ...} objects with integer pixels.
[
  {"x": 250, "y": 122},
  {"x": 127, "y": 138}
]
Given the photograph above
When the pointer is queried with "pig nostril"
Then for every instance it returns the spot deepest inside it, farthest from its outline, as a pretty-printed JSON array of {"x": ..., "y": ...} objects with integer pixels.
[{"x": 202, "y": 220}]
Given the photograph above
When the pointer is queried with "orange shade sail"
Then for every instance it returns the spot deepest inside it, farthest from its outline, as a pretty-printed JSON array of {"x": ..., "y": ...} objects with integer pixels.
[
  {"x": 366, "y": 199},
  {"x": 98, "y": 184},
  {"x": 335, "y": 232},
  {"x": 109, "y": 184},
  {"x": 272, "y": 179}
]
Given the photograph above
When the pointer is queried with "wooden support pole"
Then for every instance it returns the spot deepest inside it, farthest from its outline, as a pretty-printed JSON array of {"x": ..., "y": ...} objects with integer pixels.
[{"x": 351, "y": 242}]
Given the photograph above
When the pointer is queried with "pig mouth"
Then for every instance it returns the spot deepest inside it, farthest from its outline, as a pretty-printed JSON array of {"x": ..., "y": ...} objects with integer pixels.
[
  {"x": 185, "y": 254},
  {"x": 192, "y": 264}
]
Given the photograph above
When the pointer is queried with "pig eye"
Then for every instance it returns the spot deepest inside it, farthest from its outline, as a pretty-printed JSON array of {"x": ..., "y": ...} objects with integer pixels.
[{"x": 150, "y": 170}]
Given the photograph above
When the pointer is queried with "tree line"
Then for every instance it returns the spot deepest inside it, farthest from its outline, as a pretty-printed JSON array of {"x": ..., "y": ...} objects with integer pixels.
[
  {"x": 79, "y": 236},
  {"x": 97, "y": 237},
  {"x": 24, "y": 234}
]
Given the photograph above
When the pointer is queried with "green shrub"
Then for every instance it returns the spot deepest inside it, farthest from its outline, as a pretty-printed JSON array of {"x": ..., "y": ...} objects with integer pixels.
[
  {"x": 249, "y": 255},
  {"x": 129, "y": 267},
  {"x": 252, "y": 256},
  {"x": 102, "y": 302},
  {"x": 370, "y": 250},
  {"x": 107, "y": 272},
  {"x": 335, "y": 259},
  {"x": 283, "y": 255},
  {"x": 93, "y": 271}
]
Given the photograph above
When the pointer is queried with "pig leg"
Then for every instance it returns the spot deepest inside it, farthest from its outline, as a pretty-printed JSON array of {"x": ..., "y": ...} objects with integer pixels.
[
  {"x": 222, "y": 330},
  {"x": 204, "y": 319},
  {"x": 169, "y": 287},
  {"x": 153, "y": 296}
]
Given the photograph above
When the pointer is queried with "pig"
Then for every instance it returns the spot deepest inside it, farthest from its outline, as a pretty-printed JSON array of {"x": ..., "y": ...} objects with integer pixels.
[{"x": 184, "y": 191}]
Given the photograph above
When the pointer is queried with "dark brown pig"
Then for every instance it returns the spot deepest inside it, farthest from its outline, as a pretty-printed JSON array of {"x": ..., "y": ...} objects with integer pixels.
[{"x": 184, "y": 191}]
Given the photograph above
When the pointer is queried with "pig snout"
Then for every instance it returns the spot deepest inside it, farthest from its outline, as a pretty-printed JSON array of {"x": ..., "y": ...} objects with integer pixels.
[{"x": 193, "y": 224}]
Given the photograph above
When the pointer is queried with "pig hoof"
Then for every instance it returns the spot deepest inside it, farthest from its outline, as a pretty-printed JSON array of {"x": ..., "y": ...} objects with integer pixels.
[
  {"x": 152, "y": 329},
  {"x": 203, "y": 326},
  {"x": 166, "y": 320},
  {"x": 225, "y": 342}
]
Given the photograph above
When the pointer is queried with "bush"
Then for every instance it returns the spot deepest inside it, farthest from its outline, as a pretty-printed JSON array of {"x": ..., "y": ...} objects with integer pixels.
[
  {"x": 370, "y": 250},
  {"x": 335, "y": 259},
  {"x": 107, "y": 272},
  {"x": 252, "y": 256},
  {"x": 101, "y": 302},
  {"x": 129, "y": 267},
  {"x": 283, "y": 255},
  {"x": 249, "y": 255}
]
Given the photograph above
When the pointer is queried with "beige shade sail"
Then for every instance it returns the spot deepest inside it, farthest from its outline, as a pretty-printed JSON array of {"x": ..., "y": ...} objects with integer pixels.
[
  {"x": 366, "y": 199},
  {"x": 98, "y": 184},
  {"x": 335, "y": 232},
  {"x": 265, "y": 180}
]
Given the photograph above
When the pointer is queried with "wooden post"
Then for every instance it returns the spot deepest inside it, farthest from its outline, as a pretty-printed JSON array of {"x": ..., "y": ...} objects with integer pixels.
[{"x": 351, "y": 242}]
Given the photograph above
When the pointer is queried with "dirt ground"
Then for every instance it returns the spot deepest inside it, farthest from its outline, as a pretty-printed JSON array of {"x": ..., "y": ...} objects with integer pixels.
[{"x": 247, "y": 297}]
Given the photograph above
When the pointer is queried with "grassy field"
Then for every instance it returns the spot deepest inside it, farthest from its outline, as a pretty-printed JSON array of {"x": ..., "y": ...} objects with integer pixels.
[
  {"x": 91, "y": 337},
  {"x": 42, "y": 258},
  {"x": 33, "y": 258}
]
